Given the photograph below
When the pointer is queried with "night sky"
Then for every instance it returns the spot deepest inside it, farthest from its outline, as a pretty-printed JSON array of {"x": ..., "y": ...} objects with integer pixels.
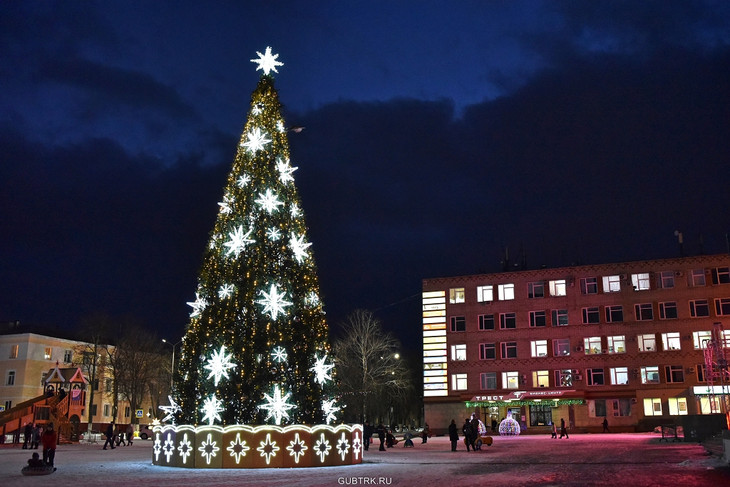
[{"x": 438, "y": 134}]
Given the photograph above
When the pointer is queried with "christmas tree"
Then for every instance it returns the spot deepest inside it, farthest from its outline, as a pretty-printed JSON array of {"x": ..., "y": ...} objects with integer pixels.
[{"x": 256, "y": 350}]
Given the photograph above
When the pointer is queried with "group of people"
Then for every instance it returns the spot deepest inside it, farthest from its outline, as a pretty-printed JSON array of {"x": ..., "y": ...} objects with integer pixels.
[
  {"x": 48, "y": 439},
  {"x": 386, "y": 436},
  {"x": 32, "y": 434},
  {"x": 472, "y": 429},
  {"x": 115, "y": 438}
]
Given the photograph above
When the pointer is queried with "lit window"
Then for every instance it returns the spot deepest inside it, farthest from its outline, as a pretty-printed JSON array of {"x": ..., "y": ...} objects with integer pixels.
[
  {"x": 458, "y": 352},
  {"x": 487, "y": 351},
  {"x": 458, "y": 323},
  {"x": 595, "y": 377},
  {"x": 668, "y": 310},
  {"x": 699, "y": 308},
  {"x": 558, "y": 288},
  {"x": 722, "y": 306},
  {"x": 677, "y": 406},
  {"x": 611, "y": 284},
  {"x": 710, "y": 404},
  {"x": 485, "y": 294},
  {"x": 647, "y": 343},
  {"x": 674, "y": 373},
  {"x": 509, "y": 349},
  {"x": 488, "y": 380},
  {"x": 592, "y": 345},
  {"x": 511, "y": 380},
  {"x": 589, "y": 285},
  {"x": 591, "y": 315},
  {"x": 539, "y": 348},
  {"x": 700, "y": 339},
  {"x": 506, "y": 292},
  {"x": 643, "y": 312},
  {"x": 538, "y": 318},
  {"x": 697, "y": 278},
  {"x": 507, "y": 321},
  {"x": 652, "y": 406},
  {"x": 650, "y": 374},
  {"x": 564, "y": 378},
  {"x": 614, "y": 314},
  {"x": 541, "y": 378},
  {"x": 619, "y": 376},
  {"x": 616, "y": 344},
  {"x": 458, "y": 382},
  {"x": 14, "y": 351},
  {"x": 561, "y": 347},
  {"x": 640, "y": 282},
  {"x": 486, "y": 322},
  {"x": 48, "y": 353},
  {"x": 666, "y": 279},
  {"x": 456, "y": 295},
  {"x": 535, "y": 289},
  {"x": 560, "y": 317},
  {"x": 670, "y": 341}
]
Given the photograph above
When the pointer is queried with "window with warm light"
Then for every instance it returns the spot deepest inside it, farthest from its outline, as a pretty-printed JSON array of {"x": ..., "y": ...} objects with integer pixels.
[
  {"x": 611, "y": 284},
  {"x": 506, "y": 292},
  {"x": 616, "y": 344},
  {"x": 456, "y": 295},
  {"x": 677, "y": 406},
  {"x": 540, "y": 378},
  {"x": 485, "y": 294},
  {"x": 671, "y": 341},
  {"x": 14, "y": 351},
  {"x": 641, "y": 281},
  {"x": 647, "y": 342},
  {"x": 652, "y": 406},
  {"x": 558, "y": 287},
  {"x": 592, "y": 345},
  {"x": 48, "y": 353},
  {"x": 458, "y": 382},
  {"x": 511, "y": 380},
  {"x": 458, "y": 352}
]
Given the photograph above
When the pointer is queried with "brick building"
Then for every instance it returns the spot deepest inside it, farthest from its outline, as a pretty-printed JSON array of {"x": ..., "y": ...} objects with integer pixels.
[{"x": 622, "y": 341}]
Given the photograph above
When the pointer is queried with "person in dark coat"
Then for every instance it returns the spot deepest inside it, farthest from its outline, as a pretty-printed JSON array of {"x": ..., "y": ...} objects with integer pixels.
[
  {"x": 49, "y": 439},
  {"x": 474, "y": 432},
  {"x": 605, "y": 425},
  {"x": 453, "y": 435},
  {"x": 367, "y": 433},
  {"x": 381, "y": 436},
  {"x": 27, "y": 435},
  {"x": 563, "y": 431},
  {"x": 36, "y": 437},
  {"x": 466, "y": 430},
  {"x": 425, "y": 433},
  {"x": 109, "y": 436}
]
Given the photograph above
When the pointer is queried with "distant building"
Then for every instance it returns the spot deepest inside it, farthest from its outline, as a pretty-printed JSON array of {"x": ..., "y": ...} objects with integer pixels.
[
  {"x": 32, "y": 365},
  {"x": 624, "y": 341}
]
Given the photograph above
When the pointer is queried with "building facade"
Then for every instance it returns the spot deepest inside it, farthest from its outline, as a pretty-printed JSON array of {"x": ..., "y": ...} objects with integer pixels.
[
  {"x": 27, "y": 359},
  {"x": 625, "y": 342}
]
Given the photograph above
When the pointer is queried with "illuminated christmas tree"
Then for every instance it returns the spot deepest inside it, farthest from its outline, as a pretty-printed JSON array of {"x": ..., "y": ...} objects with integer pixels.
[{"x": 256, "y": 350}]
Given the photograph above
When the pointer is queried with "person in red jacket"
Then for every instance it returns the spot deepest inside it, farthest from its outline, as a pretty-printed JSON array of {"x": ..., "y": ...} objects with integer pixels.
[{"x": 49, "y": 440}]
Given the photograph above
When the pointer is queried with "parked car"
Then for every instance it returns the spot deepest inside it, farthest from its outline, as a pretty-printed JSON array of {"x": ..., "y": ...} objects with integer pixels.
[{"x": 145, "y": 431}]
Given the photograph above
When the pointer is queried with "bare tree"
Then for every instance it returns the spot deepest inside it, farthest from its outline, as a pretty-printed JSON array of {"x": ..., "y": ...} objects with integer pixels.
[{"x": 372, "y": 376}]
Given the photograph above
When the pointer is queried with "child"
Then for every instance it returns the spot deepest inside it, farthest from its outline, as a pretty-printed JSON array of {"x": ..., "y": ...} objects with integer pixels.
[{"x": 35, "y": 461}]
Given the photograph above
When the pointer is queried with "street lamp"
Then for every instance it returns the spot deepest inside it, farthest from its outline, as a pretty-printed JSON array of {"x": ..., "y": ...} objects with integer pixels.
[{"x": 172, "y": 366}]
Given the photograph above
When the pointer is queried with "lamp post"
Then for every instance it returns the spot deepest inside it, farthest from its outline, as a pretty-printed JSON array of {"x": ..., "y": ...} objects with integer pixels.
[{"x": 172, "y": 366}]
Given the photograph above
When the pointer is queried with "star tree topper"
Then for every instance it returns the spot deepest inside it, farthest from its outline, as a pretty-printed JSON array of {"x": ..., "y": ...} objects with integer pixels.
[{"x": 267, "y": 61}]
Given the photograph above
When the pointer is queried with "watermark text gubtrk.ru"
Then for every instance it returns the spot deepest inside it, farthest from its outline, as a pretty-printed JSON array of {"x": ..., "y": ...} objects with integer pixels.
[{"x": 364, "y": 480}]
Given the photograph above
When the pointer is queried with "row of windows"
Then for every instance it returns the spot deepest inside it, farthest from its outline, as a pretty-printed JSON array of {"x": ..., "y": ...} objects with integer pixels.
[
  {"x": 590, "y": 285},
  {"x": 47, "y": 353},
  {"x": 596, "y": 376},
  {"x": 593, "y": 345},
  {"x": 698, "y": 308}
]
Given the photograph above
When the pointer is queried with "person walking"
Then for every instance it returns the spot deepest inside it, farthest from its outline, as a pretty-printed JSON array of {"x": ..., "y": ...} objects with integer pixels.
[
  {"x": 49, "y": 439},
  {"x": 109, "y": 436},
  {"x": 475, "y": 433},
  {"x": 453, "y": 435},
  {"x": 466, "y": 430},
  {"x": 27, "y": 435},
  {"x": 120, "y": 437},
  {"x": 425, "y": 434},
  {"x": 605, "y": 425},
  {"x": 563, "y": 431},
  {"x": 554, "y": 433},
  {"x": 381, "y": 436},
  {"x": 367, "y": 434},
  {"x": 130, "y": 434}
]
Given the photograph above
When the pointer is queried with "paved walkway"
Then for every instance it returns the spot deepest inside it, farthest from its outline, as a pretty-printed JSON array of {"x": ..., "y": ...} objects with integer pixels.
[{"x": 626, "y": 460}]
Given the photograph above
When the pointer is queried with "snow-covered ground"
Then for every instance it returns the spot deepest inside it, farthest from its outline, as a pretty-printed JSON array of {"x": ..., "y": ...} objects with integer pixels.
[{"x": 606, "y": 459}]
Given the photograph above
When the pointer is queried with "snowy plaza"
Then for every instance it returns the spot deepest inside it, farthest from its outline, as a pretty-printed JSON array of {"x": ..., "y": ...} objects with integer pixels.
[{"x": 637, "y": 459}]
